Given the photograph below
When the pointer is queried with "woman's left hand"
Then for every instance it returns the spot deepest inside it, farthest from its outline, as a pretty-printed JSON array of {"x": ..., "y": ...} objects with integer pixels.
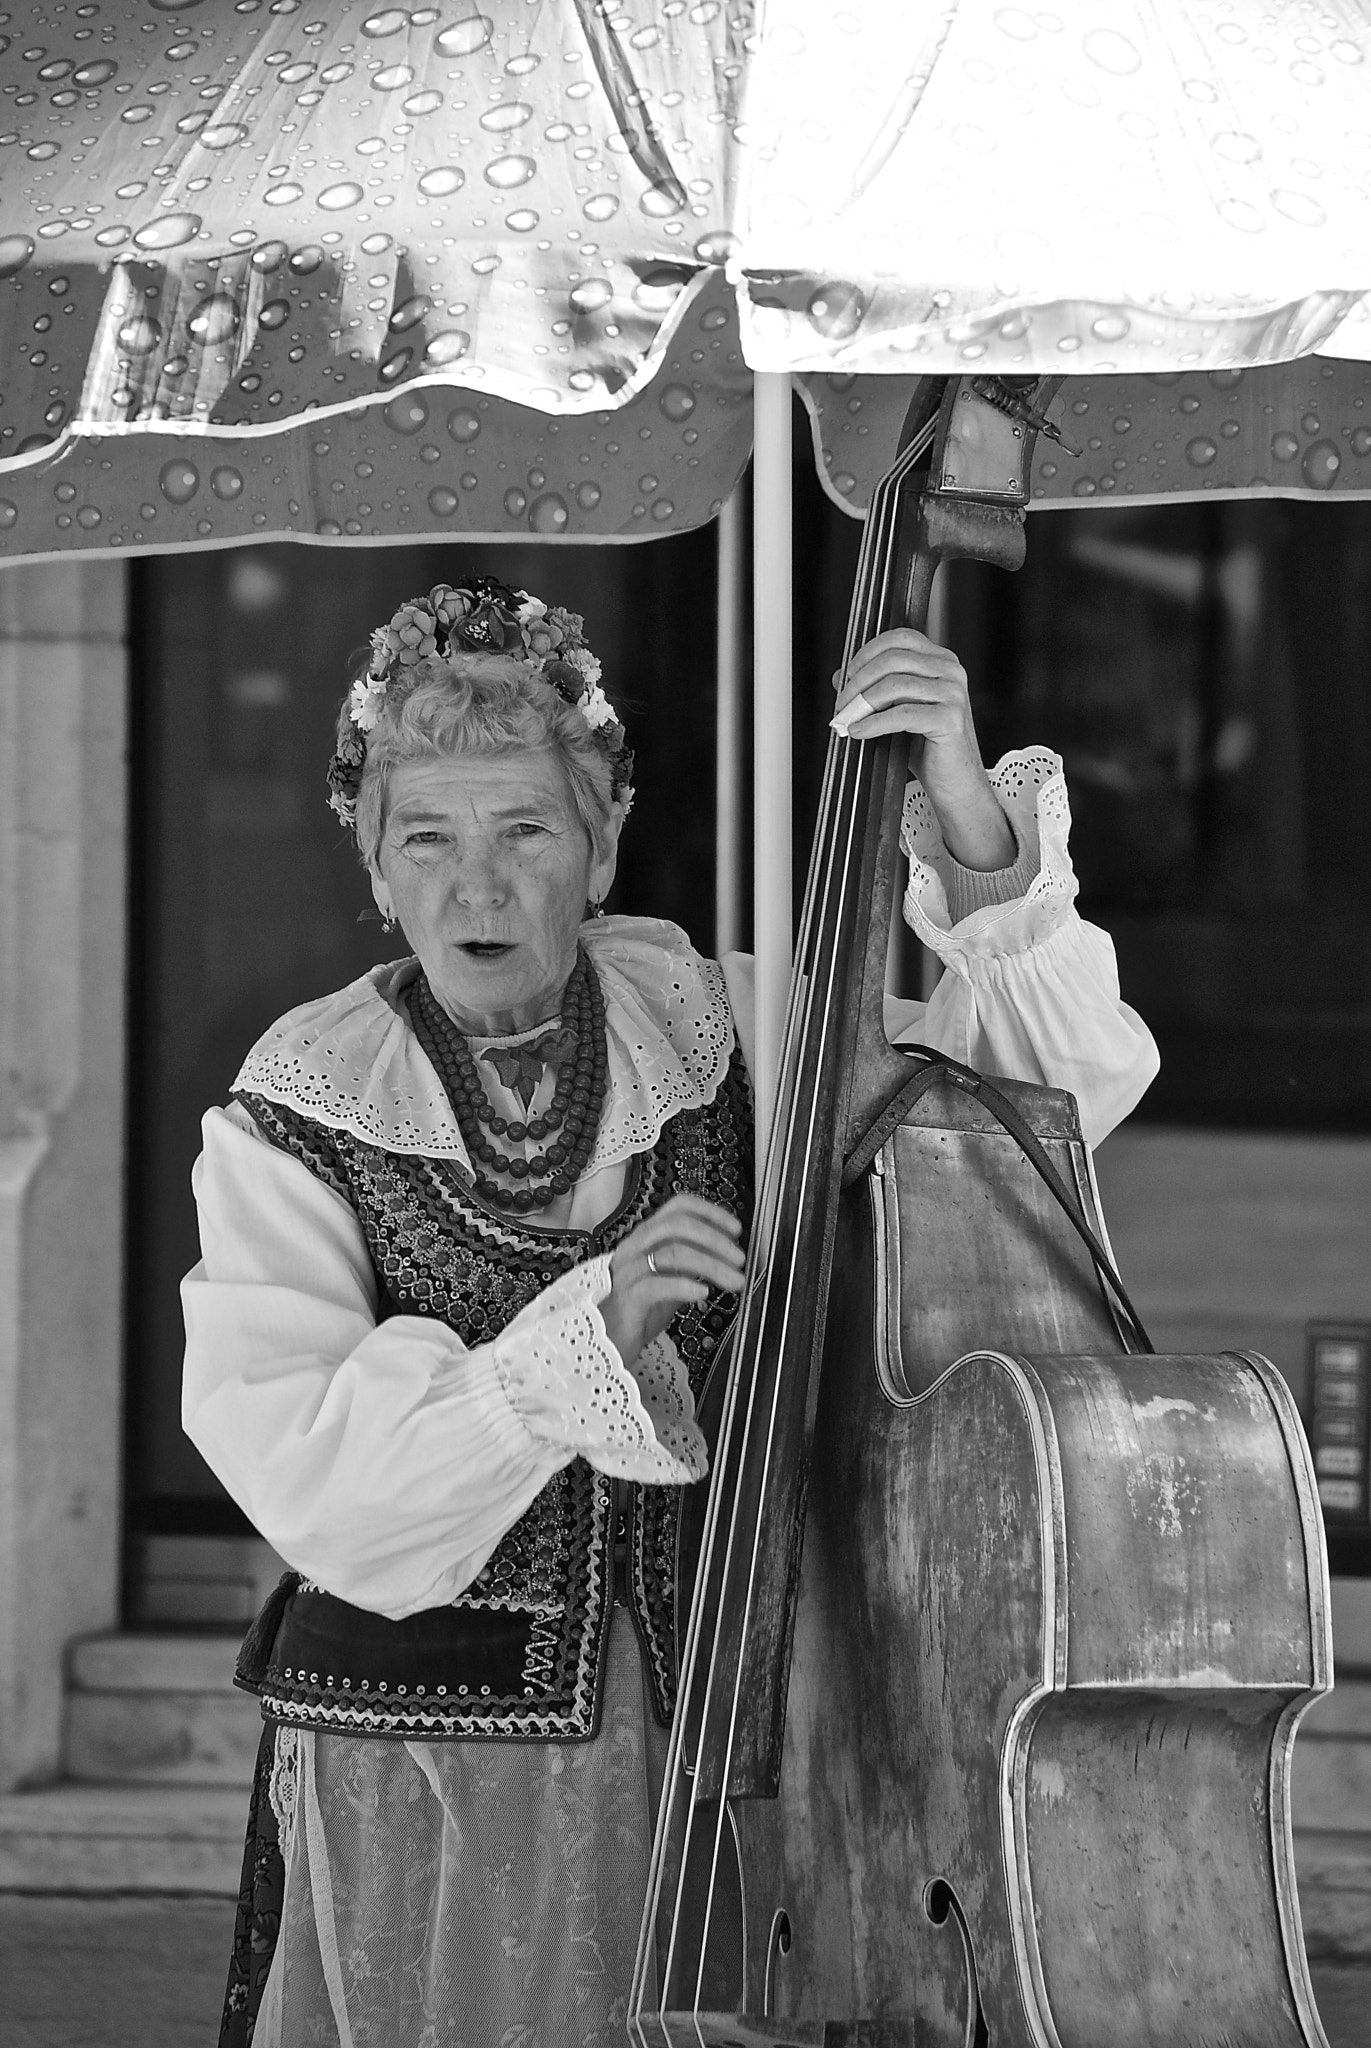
[{"x": 908, "y": 683}]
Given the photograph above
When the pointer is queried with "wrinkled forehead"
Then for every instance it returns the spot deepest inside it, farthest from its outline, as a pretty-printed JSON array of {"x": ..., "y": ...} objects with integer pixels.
[{"x": 480, "y": 788}]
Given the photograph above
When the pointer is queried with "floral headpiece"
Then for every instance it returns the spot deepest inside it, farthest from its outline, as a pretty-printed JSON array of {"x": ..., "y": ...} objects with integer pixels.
[{"x": 482, "y": 616}]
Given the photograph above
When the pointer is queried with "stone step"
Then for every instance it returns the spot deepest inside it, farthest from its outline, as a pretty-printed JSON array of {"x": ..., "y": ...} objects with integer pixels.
[
  {"x": 123, "y": 1838},
  {"x": 162, "y": 1738},
  {"x": 152, "y": 1663}
]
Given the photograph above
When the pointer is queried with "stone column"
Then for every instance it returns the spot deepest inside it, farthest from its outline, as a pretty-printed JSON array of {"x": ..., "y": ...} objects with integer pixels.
[{"x": 63, "y": 863}]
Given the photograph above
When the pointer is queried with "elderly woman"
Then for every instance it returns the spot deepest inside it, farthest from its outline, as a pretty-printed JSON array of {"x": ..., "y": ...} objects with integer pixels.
[{"x": 470, "y": 1228}]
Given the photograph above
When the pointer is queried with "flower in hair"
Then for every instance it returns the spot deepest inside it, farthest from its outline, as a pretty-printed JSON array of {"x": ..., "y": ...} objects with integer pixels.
[{"x": 487, "y": 616}]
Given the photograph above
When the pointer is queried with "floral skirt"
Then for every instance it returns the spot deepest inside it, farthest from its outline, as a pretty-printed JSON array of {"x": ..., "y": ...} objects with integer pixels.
[{"x": 448, "y": 1894}]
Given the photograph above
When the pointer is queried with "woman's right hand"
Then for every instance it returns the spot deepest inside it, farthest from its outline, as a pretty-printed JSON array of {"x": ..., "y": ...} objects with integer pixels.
[{"x": 693, "y": 1246}]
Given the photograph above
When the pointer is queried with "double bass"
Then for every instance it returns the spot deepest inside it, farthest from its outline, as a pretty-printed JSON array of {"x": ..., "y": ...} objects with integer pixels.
[{"x": 1002, "y": 1626}]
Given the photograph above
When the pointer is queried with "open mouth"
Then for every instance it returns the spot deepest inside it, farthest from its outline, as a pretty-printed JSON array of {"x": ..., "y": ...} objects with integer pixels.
[{"x": 485, "y": 949}]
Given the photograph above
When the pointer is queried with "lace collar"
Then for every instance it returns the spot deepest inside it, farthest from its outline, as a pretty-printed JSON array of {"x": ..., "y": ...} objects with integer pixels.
[{"x": 351, "y": 1061}]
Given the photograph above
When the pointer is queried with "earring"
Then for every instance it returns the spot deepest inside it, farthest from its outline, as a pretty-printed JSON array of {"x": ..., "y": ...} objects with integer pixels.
[
  {"x": 596, "y": 907},
  {"x": 387, "y": 921}
]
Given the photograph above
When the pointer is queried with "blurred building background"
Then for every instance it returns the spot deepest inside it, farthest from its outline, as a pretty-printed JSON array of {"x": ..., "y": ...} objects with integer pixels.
[{"x": 171, "y": 881}]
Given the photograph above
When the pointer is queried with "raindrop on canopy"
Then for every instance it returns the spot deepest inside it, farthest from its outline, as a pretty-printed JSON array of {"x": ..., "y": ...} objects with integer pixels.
[
  {"x": 509, "y": 171},
  {"x": 274, "y": 314},
  {"x": 717, "y": 246},
  {"x": 588, "y": 496},
  {"x": 464, "y": 424},
  {"x": 216, "y": 319},
  {"x": 523, "y": 221},
  {"x": 168, "y": 232},
  {"x": 836, "y": 310},
  {"x": 590, "y": 295},
  {"x": 443, "y": 500},
  {"x": 406, "y": 414},
  {"x": 224, "y": 135},
  {"x": 1111, "y": 51},
  {"x": 549, "y": 514},
  {"x": 1321, "y": 464},
  {"x": 393, "y": 77},
  {"x": 15, "y": 251},
  {"x": 676, "y": 403},
  {"x": 270, "y": 256},
  {"x": 179, "y": 481},
  {"x": 334, "y": 198},
  {"x": 9, "y": 512},
  {"x": 509, "y": 114},
  {"x": 1110, "y": 327},
  {"x": 307, "y": 260},
  {"x": 447, "y": 346},
  {"x": 514, "y": 502},
  {"x": 139, "y": 335},
  {"x": 225, "y": 482},
  {"x": 410, "y": 313},
  {"x": 387, "y": 23},
  {"x": 437, "y": 184},
  {"x": 422, "y": 103},
  {"x": 463, "y": 37},
  {"x": 1284, "y": 447},
  {"x": 601, "y": 206},
  {"x": 665, "y": 197},
  {"x": 1200, "y": 452},
  {"x": 1361, "y": 440},
  {"x": 394, "y": 366},
  {"x": 96, "y": 74}
]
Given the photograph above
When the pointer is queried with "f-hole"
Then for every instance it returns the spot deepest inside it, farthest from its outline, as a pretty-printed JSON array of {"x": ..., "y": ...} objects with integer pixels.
[
  {"x": 778, "y": 1944},
  {"x": 940, "y": 1904}
]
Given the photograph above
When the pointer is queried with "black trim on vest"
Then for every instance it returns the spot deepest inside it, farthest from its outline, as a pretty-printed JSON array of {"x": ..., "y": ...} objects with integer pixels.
[{"x": 519, "y": 1654}]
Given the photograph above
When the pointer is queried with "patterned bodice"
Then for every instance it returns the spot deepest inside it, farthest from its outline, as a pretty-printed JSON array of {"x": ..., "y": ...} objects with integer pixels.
[{"x": 520, "y": 1652}]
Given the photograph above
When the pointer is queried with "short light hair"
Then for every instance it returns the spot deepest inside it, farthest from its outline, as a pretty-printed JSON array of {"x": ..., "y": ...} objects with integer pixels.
[{"x": 469, "y": 705}]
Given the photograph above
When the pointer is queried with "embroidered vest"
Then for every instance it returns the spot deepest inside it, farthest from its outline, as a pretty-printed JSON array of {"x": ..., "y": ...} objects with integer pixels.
[{"x": 519, "y": 1653}]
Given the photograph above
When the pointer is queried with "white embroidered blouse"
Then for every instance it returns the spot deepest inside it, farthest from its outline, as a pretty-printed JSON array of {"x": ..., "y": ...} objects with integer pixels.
[{"x": 386, "y": 1461}]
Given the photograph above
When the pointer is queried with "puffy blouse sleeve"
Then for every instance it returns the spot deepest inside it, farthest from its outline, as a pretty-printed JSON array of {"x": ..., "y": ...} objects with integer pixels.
[
  {"x": 386, "y": 1460},
  {"x": 1029, "y": 989}
]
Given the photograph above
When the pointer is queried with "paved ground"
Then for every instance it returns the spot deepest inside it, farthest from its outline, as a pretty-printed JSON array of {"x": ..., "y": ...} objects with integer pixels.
[{"x": 149, "y": 1973}]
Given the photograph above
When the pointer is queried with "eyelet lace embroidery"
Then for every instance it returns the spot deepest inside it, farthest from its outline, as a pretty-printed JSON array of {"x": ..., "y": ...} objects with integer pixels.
[
  {"x": 351, "y": 1062},
  {"x": 1031, "y": 788},
  {"x": 567, "y": 1382},
  {"x": 284, "y": 1789}
]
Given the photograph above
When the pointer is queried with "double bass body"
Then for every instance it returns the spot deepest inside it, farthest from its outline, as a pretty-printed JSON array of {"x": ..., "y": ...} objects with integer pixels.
[{"x": 1002, "y": 1626}]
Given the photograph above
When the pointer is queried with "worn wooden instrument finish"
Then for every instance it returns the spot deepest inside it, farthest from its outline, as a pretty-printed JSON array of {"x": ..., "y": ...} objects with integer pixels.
[{"x": 1000, "y": 1634}]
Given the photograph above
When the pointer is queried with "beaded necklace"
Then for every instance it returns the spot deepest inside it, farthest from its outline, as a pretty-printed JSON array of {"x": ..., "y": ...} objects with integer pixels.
[{"x": 574, "y": 1112}]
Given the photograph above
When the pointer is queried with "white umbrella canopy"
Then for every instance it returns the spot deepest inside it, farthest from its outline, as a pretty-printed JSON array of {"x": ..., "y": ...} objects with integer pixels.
[{"x": 364, "y": 272}]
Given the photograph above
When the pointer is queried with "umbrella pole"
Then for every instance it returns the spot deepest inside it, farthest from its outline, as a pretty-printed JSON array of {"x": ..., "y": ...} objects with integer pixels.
[
  {"x": 728, "y": 728},
  {"x": 772, "y": 924}
]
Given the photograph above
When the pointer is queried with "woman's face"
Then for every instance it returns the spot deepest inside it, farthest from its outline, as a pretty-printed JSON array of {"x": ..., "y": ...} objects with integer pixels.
[{"x": 488, "y": 867}]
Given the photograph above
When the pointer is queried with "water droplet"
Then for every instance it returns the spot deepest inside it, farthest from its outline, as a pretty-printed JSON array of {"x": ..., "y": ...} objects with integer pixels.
[
  {"x": 549, "y": 514},
  {"x": 437, "y": 184},
  {"x": 508, "y": 114},
  {"x": 601, "y": 206},
  {"x": 1230, "y": 429},
  {"x": 394, "y": 366},
  {"x": 179, "y": 481},
  {"x": 1299, "y": 207},
  {"x": 15, "y": 251},
  {"x": 43, "y": 152},
  {"x": 663, "y": 198},
  {"x": 515, "y": 502},
  {"x": 215, "y": 319},
  {"x": 1111, "y": 51},
  {"x": 448, "y": 346},
  {"x": 660, "y": 286},
  {"x": 1109, "y": 327},
  {"x": 334, "y": 74},
  {"x": 1190, "y": 403},
  {"x": 88, "y": 516},
  {"x": 1200, "y": 452},
  {"x": 223, "y": 135},
  {"x": 676, "y": 403},
  {"x": 274, "y": 314},
  {"x": 1361, "y": 440},
  {"x": 334, "y": 198},
  {"x": 464, "y": 37},
  {"x": 112, "y": 236},
  {"x": 94, "y": 75},
  {"x": 139, "y": 335},
  {"x": 588, "y": 496},
  {"x": 420, "y": 103},
  {"x": 406, "y": 414},
  {"x": 663, "y": 510},
  {"x": 1321, "y": 463},
  {"x": 307, "y": 260},
  {"x": 1285, "y": 447},
  {"x": 225, "y": 482},
  {"x": 9, "y": 512},
  {"x": 836, "y": 310},
  {"x": 1240, "y": 214},
  {"x": 270, "y": 256},
  {"x": 714, "y": 318},
  {"x": 464, "y": 424},
  {"x": 1236, "y": 147},
  {"x": 506, "y": 172},
  {"x": 410, "y": 313},
  {"x": 388, "y": 22},
  {"x": 376, "y": 245},
  {"x": 590, "y": 294},
  {"x": 522, "y": 221},
  {"x": 443, "y": 500},
  {"x": 171, "y": 231},
  {"x": 1225, "y": 380},
  {"x": 717, "y": 246},
  {"x": 393, "y": 77},
  {"x": 284, "y": 194}
]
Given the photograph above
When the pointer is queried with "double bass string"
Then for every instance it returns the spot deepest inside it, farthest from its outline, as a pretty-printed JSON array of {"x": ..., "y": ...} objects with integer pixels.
[{"x": 824, "y": 906}]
